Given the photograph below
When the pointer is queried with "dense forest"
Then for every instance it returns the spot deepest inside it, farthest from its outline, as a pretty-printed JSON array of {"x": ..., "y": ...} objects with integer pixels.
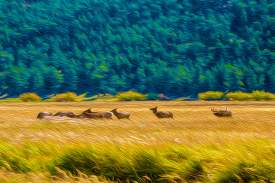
[{"x": 175, "y": 47}]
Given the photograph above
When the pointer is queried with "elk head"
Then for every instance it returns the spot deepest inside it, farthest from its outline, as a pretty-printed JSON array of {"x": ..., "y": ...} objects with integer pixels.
[
  {"x": 114, "y": 110},
  {"x": 154, "y": 109},
  {"x": 87, "y": 111}
]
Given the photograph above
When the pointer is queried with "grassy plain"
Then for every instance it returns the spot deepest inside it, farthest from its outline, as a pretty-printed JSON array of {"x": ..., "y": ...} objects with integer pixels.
[{"x": 194, "y": 147}]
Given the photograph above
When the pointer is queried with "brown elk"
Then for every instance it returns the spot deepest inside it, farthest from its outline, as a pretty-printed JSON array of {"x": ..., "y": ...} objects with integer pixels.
[
  {"x": 65, "y": 114},
  {"x": 43, "y": 115},
  {"x": 221, "y": 113},
  {"x": 96, "y": 115},
  {"x": 162, "y": 114},
  {"x": 121, "y": 115}
]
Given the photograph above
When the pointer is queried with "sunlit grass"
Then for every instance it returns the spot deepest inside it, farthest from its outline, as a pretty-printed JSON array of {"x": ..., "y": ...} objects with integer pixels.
[
  {"x": 195, "y": 147},
  {"x": 217, "y": 163}
]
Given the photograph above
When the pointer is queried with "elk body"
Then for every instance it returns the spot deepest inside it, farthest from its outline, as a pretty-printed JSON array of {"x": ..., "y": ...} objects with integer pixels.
[
  {"x": 121, "y": 115},
  {"x": 162, "y": 114},
  {"x": 96, "y": 115},
  {"x": 221, "y": 113},
  {"x": 43, "y": 115},
  {"x": 65, "y": 114}
]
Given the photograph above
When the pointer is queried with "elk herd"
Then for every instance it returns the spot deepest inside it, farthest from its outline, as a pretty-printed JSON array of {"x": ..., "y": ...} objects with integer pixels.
[{"x": 89, "y": 114}]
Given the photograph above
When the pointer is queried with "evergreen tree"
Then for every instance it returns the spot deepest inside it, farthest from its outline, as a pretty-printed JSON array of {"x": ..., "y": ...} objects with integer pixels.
[{"x": 176, "y": 47}]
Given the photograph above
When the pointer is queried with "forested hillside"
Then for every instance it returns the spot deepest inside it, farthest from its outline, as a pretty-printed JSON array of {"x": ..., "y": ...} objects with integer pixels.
[{"x": 176, "y": 47}]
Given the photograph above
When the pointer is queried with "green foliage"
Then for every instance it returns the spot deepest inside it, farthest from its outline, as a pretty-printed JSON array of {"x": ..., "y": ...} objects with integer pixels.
[
  {"x": 211, "y": 95},
  {"x": 152, "y": 96},
  {"x": 262, "y": 95},
  {"x": 30, "y": 97},
  {"x": 67, "y": 97},
  {"x": 130, "y": 96},
  {"x": 240, "y": 96},
  {"x": 255, "y": 95},
  {"x": 179, "y": 48}
]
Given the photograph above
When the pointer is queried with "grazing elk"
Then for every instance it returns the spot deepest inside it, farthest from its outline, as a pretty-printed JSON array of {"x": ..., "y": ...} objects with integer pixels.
[
  {"x": 65, "y": 114},
  {"x": 221, "y": 113},
  {"x": 96, "y": 115},
  {"x": 121, "y": 115},
  {"x": 43, "y": 115},
  {"x": 162, "y": 114}
]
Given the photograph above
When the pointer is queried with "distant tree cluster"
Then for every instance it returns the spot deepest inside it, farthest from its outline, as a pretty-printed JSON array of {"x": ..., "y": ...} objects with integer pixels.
[{"x": 175, "y": 47}]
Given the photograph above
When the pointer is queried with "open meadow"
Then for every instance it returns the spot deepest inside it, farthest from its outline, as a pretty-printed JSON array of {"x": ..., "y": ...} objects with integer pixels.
[{"x": 195, "y": 146}]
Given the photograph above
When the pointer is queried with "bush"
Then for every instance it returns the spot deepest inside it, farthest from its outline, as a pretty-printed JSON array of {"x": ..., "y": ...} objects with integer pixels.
[
  {"x": 240, "y": 96},
  {"x": 30, "y": 97},
  {"x": 211, "y": 95},
  {"x": 262, "y": 95},
  {"x": 131, "y": 96},
  {"x": 67, "y": 97}
]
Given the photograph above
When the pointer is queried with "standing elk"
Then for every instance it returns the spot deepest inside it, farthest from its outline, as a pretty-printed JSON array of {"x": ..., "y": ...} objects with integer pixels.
[
  {"x": 162, "y": 114},
  {"x": 221, "y": 113},
  {"x": 96, "y": 115},
  {"x": 121, "y": 115}
]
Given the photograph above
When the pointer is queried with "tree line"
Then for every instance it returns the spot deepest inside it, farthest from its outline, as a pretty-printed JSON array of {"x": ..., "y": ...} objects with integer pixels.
[{"x": 175, "y": 47}]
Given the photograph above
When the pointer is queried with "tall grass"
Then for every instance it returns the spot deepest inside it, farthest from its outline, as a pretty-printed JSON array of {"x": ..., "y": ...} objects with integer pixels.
[
  {"x": 248, "y": 172},
  {"x": 163, "y": 164}
]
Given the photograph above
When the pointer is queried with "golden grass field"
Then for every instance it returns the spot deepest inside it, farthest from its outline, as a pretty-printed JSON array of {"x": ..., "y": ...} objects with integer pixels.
[
  {"x": 194, "y": 126},
  {"x": 193, "y": 123}
]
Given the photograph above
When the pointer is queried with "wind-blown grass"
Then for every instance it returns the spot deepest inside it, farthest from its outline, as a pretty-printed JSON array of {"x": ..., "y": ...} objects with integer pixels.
[
  {"x": 194, "y": 147},
  {"x": 165, "y": 163}
]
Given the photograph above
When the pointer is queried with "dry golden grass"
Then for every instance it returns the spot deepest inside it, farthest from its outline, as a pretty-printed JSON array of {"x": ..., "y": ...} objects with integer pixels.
[
  {"x": 193, "y": 123},
  {"x": 194, "y": 126}
]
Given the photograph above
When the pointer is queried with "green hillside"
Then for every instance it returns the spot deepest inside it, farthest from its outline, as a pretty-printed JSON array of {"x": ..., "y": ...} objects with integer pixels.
[{"x": 176, "y": 47}]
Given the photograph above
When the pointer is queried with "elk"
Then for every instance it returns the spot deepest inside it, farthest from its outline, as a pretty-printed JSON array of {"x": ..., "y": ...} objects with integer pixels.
[
  {"x": 96, "y": 115},
  {"x": 65, "y": 114},
  {"x": 162, "y": 114},
  {"x": 121, "y": 115},
  {"x": 43, "y": 115},
  {"x": 221, "y": 113}
]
